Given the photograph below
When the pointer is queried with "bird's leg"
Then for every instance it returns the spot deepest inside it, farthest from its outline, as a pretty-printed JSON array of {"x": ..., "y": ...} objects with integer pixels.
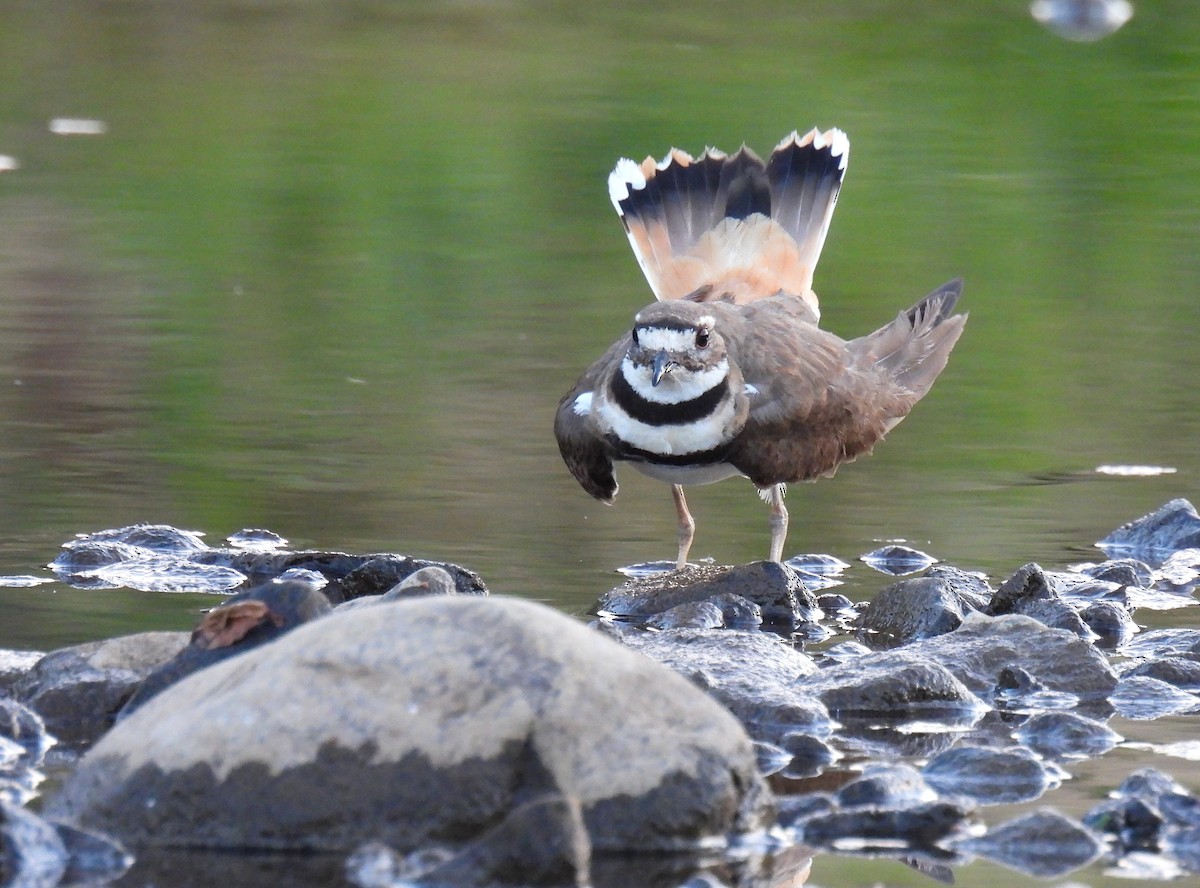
[
  {"x": 779, "y": 522},
  {"x": 687, "y": 527}
]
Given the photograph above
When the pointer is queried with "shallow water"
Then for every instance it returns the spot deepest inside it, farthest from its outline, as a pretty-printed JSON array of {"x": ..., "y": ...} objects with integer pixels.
[{"x": 328, "y": 268}]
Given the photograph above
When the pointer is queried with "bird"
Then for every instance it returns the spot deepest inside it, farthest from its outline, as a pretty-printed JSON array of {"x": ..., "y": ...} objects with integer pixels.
[{"x": 728, "y": 373}]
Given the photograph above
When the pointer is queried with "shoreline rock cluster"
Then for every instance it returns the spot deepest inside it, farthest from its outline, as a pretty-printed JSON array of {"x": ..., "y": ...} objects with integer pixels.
[{"x": 388, "y": 710}]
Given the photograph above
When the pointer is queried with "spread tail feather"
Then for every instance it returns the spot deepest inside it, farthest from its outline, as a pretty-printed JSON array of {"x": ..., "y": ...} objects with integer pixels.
[
  {"x": 743, "y": 228},
  {"x": 913, "y": 349}
]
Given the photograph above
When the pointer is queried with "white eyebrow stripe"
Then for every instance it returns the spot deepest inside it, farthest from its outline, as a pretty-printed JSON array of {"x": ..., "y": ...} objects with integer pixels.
[{"x": 666, "y": 339}]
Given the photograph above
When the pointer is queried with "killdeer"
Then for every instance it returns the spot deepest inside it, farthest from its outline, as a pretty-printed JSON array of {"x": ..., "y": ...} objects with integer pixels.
[{"x": 728, "y": 373}]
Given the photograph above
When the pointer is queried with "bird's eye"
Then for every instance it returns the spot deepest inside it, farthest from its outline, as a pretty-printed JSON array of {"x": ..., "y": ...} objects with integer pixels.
[
  {"x": 702, "y": 338},
  {"x": 634, "y": 335}
]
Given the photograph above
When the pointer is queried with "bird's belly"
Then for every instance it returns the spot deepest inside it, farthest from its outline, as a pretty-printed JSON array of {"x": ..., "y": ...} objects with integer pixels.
[{"x": 701, "y": 474}]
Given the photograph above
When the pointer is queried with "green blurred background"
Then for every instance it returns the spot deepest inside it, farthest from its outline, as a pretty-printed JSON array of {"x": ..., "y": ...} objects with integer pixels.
[{"x": 331, "y": 266}]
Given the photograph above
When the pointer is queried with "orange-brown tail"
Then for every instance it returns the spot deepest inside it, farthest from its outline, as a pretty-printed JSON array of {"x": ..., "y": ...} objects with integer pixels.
[{"x": 732, "y": 225}]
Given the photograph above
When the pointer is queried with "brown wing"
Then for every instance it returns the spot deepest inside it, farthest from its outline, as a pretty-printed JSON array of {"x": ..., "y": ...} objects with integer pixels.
[
  {"x": 587, "y": 455},
  {"x": 811, "y": 409},
  {"x": 740, "y": 227}
]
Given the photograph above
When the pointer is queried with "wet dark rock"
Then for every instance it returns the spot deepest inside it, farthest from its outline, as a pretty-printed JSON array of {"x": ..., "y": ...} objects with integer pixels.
[
  {"x": 1110, "y": 623},
  {"x": 1133, "y": 818},
  {"x": 1122, "y": 571},
  {"x": 1181, "y": 672},
  {"x": 988, "y": 776},
  {"x": 692, "y": 615},
  {"x": 31, "y": 852},
  {"x": 1158, "y": 643},
  {"x": 14, "y": 665},
  {"x": 1057, "y": 615},
  {"x": 1153, "y": 537},
  {"x": 92, "y": 858},
  {"x": 898, "y": 689},
  {"x": 919, "y": 607},
  {"x": 920, "y": 827},
  {"x": 541, "y": 844},
  {"x": 808, "y": 755},
  {"x": 886, "y": 786},
  {"x": 836, "y": 604},
  {"x": 753, "y": 674},
  {"x": 897, "y": 560},
  {"x": 79, "y": 690},
  {"x": 26, "y": 730},
  {"x": 1067, "y": 735},
  {"x": 1141, "y": 697},
  {"x": 771, "y": 758},
  {"x": 1179, "y": 809},
  {"x": 775, "y": 588},
  {"x": 1044, "y": 844},
  {"x": 1183, "y": 845},
  {"x": 242, "y": 623},
  {"x": 719, "y": 611},
  {"x": 791, "y": 811},
  {"x": 1027, "y": 583},
  {"x": 404, "y": 723},
  {"x": 979, "y": 650},
  {"x": 381, "y": 574}
]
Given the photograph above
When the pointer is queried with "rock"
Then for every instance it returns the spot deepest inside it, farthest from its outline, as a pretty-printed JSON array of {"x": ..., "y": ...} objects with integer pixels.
[
  {"x": 92, "y": 858},
  {"x": 1122, "y": 571},
  {"x": 1033, "y": 592},
  {"x": 1153, "y": 537},
  {"x": 382, "y": 574},
  {"x": 978, "y": 651},
  {"x": 775, "y": 588},
  {"x": 1155, "y": 644},
  {"x": 894, "y": 688},
  {"x": 886, "y": 786},
  {"x": 1066, "y": 735},
  {"x": 404, "y": 723},
  {"x": 726, "y": 610},
  {"x": 14, "y": 665},
  {"x": 26, "y": 730},
  {"x": 1143, "y": 698},
  {"x": 31, "y": 853},
  {"x": 807, "y": 755},
  {"x": 1133, "y": 817},
  {"x": 919, "y": 827},
  {"x": 245, "y": 621},
  {"x": 79, "y": 690},
  {"x": 988, "y": 776},
  {"x": 1044, "y": 844},
  {"x": 916, "y": 608},
  {"x": 897, "y": 560},
  {"x": 1180, "y": 672},
  {"x": 753, "y": 674},
  {"x": 1110, "y": 623}
]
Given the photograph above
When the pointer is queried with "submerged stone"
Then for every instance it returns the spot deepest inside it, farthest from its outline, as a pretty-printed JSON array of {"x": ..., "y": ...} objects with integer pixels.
[
  {"x": 897, "y": 560},
  {"x": 1111, "y": 623},
  {"x": 1044, "y": 844},
  {"x": 1141, "y": 697},
  {"x": 1067, "y": 735},
  {"x": 988, "y": 776},
  {"x": 886, "y": 786},
  {"x": 918, "y": 827}
]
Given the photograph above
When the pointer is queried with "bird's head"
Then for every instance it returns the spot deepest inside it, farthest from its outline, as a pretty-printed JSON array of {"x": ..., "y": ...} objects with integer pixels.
[{"x": 676, "y": 345}]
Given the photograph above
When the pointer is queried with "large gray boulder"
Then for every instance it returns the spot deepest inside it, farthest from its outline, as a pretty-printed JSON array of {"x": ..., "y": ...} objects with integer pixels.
[{"x": 421, "y": 723}]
